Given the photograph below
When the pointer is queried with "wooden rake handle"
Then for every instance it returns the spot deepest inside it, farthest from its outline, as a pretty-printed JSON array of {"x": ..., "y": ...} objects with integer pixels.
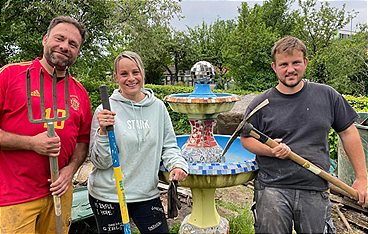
[{"x": 302, "y": 162}]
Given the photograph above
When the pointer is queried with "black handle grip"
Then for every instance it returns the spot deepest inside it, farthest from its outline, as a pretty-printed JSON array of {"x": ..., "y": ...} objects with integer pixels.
[
  {"x": 248, "y": 129},
  {"x": 104, "y": 95}
]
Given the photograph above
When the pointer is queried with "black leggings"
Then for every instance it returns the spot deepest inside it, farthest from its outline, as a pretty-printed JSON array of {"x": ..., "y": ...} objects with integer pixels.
[{"x": 148, "y": 216}]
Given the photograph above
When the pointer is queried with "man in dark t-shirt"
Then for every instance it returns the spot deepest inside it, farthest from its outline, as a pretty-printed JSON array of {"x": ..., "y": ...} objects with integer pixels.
[{"x": 299, "y": 116}]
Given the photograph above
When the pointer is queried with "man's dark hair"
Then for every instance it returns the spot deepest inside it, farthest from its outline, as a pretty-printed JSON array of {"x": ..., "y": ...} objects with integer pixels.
[{"x": 67, "y": 19}]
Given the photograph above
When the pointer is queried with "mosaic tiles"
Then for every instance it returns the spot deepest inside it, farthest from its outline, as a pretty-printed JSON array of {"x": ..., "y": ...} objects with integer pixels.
[
  {"x": 202, "y": 72},
  {"x": 187, "y": 228},
  {"x": 224, "y": 168},
  {"x": 185, "y": 98}
]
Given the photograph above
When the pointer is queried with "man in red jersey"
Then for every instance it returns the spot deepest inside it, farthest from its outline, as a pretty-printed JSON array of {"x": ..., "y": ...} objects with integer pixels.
[{"x": 26, "y": 202}]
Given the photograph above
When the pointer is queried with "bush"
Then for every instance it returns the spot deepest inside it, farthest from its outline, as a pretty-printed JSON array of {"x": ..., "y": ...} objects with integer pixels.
[{"x": 180, "y": 121}]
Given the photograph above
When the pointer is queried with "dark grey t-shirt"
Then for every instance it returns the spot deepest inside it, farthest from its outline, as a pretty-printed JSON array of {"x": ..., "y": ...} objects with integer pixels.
[{"x": 303, "y": 121}]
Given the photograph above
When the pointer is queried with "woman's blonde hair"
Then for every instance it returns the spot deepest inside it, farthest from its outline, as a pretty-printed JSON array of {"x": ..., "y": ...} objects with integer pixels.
[{"x": 133, "y": 57}]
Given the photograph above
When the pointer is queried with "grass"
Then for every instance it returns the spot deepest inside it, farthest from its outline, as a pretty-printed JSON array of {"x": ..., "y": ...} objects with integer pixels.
[{"x": 240, "y": 223}]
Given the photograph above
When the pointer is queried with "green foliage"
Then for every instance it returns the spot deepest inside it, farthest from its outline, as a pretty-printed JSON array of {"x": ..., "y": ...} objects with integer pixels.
[
  {"x": 343, "y": 65},
  {"x": 248, "y": 52},
  {"x": 209, "y": 42},
  {"x": 318, "y": 25},
  {"x": 242, "y": 223},
  {"x": 239, "y": 49},
  {"x": 332, "y": 141},
  {"x": 175, "y": 228},
  {"x": 111, "y": 27},
  {"x": 92, "y": 87},
  {"x": 360, "y": 104}
]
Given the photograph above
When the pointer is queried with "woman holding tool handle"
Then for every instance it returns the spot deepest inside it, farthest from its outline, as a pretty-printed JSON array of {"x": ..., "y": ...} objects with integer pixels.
[
  {"x": 299, "y": 117},
  {"x": 145, "y": 137}
]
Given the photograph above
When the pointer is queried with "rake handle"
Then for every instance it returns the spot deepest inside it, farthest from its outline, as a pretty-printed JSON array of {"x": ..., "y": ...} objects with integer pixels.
[{"x": 302, "y": 162}]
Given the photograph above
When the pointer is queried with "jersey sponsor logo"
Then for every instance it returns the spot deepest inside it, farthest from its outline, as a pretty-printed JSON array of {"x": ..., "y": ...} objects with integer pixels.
[
  {"x": 35, "y": 93},
  {"x": 74, "y": 102}
]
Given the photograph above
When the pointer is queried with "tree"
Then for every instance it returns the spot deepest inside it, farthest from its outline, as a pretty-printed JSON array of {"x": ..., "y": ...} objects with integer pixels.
[
  {"x": 209, "y": 42},
  {"x": 345, "y": 64},
  {"x": 25, "y": 23},
  {"x": 318, "y": 26},
  {"x": 248, "y": 51},
  {"x": 163, "y": 49},
  {"x": 276, "y": 14},
  {"x": 111, "y": 26}
]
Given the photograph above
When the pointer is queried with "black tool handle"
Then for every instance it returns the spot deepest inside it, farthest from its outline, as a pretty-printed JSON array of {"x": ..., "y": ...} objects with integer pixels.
[
  {"x": 104, "y": 95},
  {"x": 248, "y": 127}
]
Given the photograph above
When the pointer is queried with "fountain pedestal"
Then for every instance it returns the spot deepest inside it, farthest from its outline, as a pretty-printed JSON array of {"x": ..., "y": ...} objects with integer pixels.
[
  {"x": 204, "y": 222},
  {"x": 204, "y": 178}
]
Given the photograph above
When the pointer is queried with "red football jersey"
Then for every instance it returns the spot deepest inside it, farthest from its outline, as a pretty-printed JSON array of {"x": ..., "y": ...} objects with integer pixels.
[{"x": 24, "y": 174}]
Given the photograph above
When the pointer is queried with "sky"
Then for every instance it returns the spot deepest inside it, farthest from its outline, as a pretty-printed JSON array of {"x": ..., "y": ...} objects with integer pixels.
[{"x": 197, "y": 11}]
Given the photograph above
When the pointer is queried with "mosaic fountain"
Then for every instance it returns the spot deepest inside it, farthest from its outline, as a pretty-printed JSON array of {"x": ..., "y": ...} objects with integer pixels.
[{"x": 202, "y": 149}]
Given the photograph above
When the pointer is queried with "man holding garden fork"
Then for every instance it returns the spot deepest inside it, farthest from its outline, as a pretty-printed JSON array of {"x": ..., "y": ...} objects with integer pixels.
[{"x": 26, "y": 202}]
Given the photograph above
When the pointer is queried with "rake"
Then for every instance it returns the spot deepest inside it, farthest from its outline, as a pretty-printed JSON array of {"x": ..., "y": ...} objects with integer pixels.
[{"x": 54, "y": 167}]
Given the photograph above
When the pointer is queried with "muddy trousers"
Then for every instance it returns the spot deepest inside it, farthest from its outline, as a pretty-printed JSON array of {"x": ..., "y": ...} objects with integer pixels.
[
  {"x": 36, "y": 216},
  {"x": 148, "y": 216},
  {"x": 278, "y": 210}
]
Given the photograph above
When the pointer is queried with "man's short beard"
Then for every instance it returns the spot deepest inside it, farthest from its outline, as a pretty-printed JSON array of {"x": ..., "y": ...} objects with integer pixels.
[
  {"x": 59, "y": 65},
  {"x": 290, "y": 86}
]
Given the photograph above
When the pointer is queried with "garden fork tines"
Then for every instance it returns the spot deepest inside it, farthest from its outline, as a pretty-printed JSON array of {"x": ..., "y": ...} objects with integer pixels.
[{"x": 50, "y": 121}]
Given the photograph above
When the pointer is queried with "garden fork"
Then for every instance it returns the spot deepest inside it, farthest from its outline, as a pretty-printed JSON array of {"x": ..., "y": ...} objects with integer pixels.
[{"x": 50, "y": 121}]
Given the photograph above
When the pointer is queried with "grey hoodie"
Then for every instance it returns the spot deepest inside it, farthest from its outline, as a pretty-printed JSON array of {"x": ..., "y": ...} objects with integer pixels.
[{"x": 145, "y": 137}]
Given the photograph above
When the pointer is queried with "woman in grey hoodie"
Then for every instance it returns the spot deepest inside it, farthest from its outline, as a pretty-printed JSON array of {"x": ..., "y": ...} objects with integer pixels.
[{"x": 145, "y": 137}]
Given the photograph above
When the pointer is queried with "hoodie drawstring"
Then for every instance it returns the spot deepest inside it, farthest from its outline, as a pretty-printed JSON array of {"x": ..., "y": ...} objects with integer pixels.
[{"x": 139, "y": 137}]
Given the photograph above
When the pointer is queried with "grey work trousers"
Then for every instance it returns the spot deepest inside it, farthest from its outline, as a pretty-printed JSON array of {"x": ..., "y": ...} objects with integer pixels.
[{"x": 278, "y": 210}]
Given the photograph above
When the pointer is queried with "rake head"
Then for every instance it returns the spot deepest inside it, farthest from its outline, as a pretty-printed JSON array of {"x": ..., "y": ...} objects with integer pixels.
[{"x": 44, "y": 118}]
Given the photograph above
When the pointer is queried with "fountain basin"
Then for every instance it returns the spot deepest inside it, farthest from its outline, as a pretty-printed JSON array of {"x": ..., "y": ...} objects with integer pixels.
[
  {"x": 240, "y": 167},
  {"x": 199, "y": 107},
  {"x": 203, "y": 179}
]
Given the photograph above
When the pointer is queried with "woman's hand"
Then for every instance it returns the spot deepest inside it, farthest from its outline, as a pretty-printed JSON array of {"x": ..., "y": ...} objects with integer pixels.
[
  {"x": 177, "y": 174},
  {"x": 105, "y": 118}
]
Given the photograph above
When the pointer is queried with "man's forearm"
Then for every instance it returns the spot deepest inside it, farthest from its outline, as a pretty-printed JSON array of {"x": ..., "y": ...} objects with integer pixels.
[
  {"x": 11, "y": 141},
  {"x": 79, "y": 156}
]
